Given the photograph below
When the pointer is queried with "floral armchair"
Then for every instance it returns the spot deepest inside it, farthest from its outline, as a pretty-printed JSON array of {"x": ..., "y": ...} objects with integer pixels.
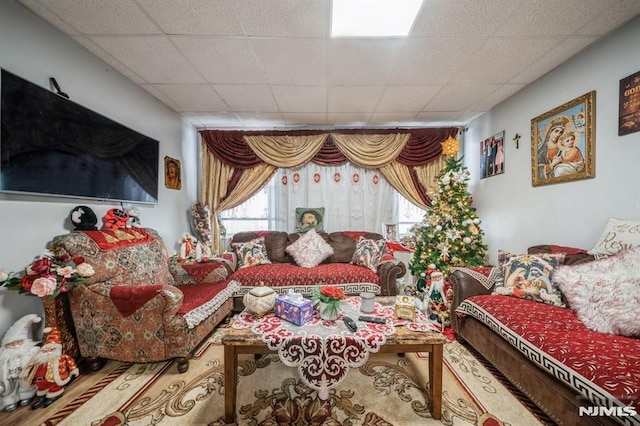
[{"x": 140, "y": 305}]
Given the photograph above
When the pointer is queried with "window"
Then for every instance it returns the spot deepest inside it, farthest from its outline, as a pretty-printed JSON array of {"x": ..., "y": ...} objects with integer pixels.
[
  {"x": 253, "y": 214},
  {"x": 408, "y": 214},
  {"x": 353, "y": 198}
]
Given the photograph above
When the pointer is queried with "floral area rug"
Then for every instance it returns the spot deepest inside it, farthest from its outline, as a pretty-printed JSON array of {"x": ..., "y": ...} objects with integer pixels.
[{"x": 387, "y": 390}]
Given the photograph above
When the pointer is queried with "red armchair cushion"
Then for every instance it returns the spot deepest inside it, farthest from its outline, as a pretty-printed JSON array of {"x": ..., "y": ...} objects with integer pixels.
[{"x": 129, "y": 299}]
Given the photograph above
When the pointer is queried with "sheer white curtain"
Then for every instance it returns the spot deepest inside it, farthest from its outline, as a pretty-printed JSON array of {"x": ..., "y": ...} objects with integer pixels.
[{"x": 354, "y": 199}]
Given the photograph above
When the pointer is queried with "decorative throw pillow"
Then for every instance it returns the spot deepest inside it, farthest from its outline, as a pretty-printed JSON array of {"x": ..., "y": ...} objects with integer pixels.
[
  {"x": 368, "y": 253},
  {"x": 251, "y": 253},
  {"x": 309, "y": 250},
  {"x": 528, "y": 276},
  {"x": 618, "y": 235},
  {"x": 605, "y": 293}
]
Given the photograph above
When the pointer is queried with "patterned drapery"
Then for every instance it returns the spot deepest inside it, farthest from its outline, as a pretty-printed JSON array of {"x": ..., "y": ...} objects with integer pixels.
[{"x": 236, "y": 164}]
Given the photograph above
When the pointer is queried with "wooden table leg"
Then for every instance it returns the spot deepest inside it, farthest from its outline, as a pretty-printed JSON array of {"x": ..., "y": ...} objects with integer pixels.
[
  {"x": 435, "y": 381},
  {"x": 230, "y": 367}
]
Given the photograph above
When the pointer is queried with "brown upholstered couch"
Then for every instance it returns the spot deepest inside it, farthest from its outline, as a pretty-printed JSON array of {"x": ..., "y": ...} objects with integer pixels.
[
  {"x": 513, "y": 356},
  {"x": 140, "y": 306},
  {"x": 283, "y": 274}
]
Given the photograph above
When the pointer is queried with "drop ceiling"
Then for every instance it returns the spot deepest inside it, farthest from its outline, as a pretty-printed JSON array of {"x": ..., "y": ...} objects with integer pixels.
[{"x": 271, "y": 64}]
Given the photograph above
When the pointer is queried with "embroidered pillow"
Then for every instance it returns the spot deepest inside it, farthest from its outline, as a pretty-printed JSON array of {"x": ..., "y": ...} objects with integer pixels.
[
  {"x": 618, "y": 235},
  {"x": 528, "y": 276},
  {"x": 309, "y": 250},
  {"x": 605, "y": 293},
  {"x": 251, "y": 253},
  {"x": 368, "y": 253}
]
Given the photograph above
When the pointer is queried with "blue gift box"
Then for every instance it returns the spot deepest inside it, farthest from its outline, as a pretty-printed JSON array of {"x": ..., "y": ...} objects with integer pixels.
[{"x": 293, "y": 309}]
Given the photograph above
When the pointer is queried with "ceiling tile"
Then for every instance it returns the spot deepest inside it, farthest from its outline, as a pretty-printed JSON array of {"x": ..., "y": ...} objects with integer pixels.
[
  {"x": 284, "y": 18},
  {"x": 153, "y": 58},
  {"x": 213, "y": 121},
  {"x": 260, "y": 119},
  {"x": 192, "y": 97},
  {"x": 292, "y": 61},
  {"x": 461, "y": 18},
  {"x": 345, "y": 119},
  {"x": 499, "y": 95},
  {"x": 459, "y": 98},
  {"x": 354, "y": 98},
  {"x": 103, "y": 17},
  {"x": 489, "y": 62},
  {"x": 362, "y": 61},
  {"x": 428, "y": 61},
  {"x": 206, "y": 17},
  {"x": 221, "y": 60},
  {"x": 301, "y": 98},
  {"x": 304, "y": 118},
  {"x": 392, "y": 118},
  {"x": 406, "y": 98},
  {"x": 247, "y": 98},
  {"x": 106, "y": 57}
]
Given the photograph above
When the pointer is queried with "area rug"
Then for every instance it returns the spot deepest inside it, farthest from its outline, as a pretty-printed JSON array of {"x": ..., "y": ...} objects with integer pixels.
[{"x": 387, "y": 390}]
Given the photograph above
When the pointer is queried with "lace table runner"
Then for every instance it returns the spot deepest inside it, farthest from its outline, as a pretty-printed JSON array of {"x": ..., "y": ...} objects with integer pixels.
[{"x": 324, "y": 351}]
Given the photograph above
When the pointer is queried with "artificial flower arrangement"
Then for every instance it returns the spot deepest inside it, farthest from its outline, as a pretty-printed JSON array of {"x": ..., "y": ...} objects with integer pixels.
[
  {"x": 333, "y": 299},
  {"x": 48, "y": 275}
]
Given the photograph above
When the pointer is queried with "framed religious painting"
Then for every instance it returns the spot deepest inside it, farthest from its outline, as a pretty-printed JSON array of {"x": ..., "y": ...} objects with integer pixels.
[
  {"x": 172, "y": 173},
  {"x": 563, "y": 142},
  {"x": 492, "y": 156}
]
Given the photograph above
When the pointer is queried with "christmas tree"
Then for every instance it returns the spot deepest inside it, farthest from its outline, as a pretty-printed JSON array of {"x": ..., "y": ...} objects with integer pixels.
[{"x": 450, "y": 234}]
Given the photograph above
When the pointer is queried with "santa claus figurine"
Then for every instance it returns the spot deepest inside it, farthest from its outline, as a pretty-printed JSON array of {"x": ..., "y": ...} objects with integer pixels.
[
  {"x": 16, "y": 351},
  {"x": 50, "y": 370}
]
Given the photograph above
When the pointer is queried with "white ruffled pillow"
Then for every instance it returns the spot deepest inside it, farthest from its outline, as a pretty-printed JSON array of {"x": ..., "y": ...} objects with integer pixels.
[
  {"x": 605, "y": 293},
  {"x": 309, "y": 250}
]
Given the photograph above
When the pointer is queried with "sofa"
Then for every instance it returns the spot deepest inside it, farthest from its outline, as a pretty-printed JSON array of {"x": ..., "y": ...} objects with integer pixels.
[
  {"x": 140, "y": 305},
  {"x": 546, "y": 350},
  {"x": 373, "y": 269}
]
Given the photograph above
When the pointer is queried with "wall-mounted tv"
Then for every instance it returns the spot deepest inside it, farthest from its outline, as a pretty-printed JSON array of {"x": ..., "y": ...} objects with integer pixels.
[{"x": 50, "y": 145}]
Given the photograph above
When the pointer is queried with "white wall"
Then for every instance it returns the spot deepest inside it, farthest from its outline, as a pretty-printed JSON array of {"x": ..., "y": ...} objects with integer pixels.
[
  {"x": 516, "y": 215},
  {"x": 36, "y": 51}
]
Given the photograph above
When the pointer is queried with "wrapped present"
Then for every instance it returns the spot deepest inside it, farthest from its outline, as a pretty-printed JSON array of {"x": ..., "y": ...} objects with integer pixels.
[
  {"x": 405, "y": 307},
  {"x": 294, "y": 308}
]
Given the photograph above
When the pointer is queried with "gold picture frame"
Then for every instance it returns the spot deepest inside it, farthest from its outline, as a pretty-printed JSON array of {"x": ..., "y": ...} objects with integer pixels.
[
  {"x": 172, "y": 173},
  {"x": 563, "y": 142}
]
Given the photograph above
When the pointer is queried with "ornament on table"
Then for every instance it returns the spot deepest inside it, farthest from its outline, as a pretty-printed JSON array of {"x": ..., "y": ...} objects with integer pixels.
[
  {"x": 50, "y": 370},
  {"x": 115, "y": 219},
  {"x": 191, "y": 249},
  {"x": 16, "y": 351},
  {"x": 83, "y": 219},
  {"x": 405, "y": 307}
]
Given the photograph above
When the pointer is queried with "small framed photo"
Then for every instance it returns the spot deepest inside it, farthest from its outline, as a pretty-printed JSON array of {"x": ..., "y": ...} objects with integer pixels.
[
  {"x": 492, "y": 156},
  {"x": 172, "y": 173},
  {"x": 390, "y": 231},
  {"x": 563, "y": 142}
]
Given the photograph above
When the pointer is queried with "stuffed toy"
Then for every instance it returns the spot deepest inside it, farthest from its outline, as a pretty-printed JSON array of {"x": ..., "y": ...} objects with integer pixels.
[
  {"x": 16, "y": 351},
  {"x": 83, "y": 219},
  {"x": 134, "y": 217},
  {"x": 188, "y": 244},
  {"x": 115, "y": 219}
]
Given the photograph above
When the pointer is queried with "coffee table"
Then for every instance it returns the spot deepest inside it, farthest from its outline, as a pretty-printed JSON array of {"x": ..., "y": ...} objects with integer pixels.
[{"x": 244, "y": 341}]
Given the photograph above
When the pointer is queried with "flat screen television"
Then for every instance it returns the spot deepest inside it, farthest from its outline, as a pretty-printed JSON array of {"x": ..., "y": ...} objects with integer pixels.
[{"x": 50, "y": 145}]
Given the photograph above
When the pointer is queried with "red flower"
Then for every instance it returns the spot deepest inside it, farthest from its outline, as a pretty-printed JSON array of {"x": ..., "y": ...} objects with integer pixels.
[
  {"x": 78, "y": 260},
  {"x": 41, "y": 265},
  {"x": 332, "y": 292},
  {"x": 27, "y": 281}
]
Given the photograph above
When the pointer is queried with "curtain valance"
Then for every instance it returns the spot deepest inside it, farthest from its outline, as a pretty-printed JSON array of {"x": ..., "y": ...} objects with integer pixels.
[
  {"x": 371, "y": 148},
  {"x": 236, "y": 164}
]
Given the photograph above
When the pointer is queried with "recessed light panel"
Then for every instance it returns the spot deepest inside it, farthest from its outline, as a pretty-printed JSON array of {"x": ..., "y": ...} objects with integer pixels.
[{"x": 373, "y": 18}]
